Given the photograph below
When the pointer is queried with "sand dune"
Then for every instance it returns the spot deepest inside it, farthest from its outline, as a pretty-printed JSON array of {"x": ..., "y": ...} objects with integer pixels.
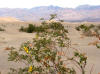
[{"x": 9, "y": 19}]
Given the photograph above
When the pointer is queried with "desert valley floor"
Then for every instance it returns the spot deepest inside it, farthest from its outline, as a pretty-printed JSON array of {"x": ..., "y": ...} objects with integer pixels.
[{"x": 12, "y": 37}]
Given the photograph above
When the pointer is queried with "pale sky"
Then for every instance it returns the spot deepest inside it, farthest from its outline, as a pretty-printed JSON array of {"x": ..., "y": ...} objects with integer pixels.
[{"x": 35, "y": 3}]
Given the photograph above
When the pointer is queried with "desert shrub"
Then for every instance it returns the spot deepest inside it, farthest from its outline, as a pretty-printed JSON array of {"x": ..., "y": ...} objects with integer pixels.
[
  {"x": 97, "y": 29},
  {"x": 47, "y": 52},
  {"x": 31, "y": 28},
  {"x": 84, "y": 27},
  {"x": 92, "y": 30},
  {"x": 53, "y": 16},
  {"x": 22, "y": 29},
  {"x": 61, "y": 20},
  {"x": 41, "y": 18},
  {"x": 1, "y": 29},
  {"x": 86, "y": 30},
  {"x": 98, "y": 45},
  {"x": 77, "y": 28}
]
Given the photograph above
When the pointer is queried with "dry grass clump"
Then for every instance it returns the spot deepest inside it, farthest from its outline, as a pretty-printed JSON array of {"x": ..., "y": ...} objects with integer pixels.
[
  {"x": 7, "y": 48},
  {"x": 93, "y": 43}
]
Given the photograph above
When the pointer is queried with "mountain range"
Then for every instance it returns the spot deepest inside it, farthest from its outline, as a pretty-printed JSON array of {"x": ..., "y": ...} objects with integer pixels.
[{"x": 81, "y": 13}]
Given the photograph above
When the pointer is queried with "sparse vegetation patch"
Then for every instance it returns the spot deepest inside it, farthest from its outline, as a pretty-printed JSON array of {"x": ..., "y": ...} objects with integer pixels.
[
  {"x": 91, "y": 30},
  {"x": 1, "y": 29},
  {"x": 86, "y": 30},
  {"x": 31, "y": 28}
]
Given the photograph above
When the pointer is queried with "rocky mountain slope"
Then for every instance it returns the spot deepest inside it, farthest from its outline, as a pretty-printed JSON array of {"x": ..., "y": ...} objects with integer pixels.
[{"x": 80, "y": 13}]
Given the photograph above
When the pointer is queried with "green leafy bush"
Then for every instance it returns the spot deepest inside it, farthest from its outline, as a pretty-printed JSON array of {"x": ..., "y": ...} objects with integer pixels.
[
  {"x": 31, "y": 28},
  {"x": 47, "y": 52}
]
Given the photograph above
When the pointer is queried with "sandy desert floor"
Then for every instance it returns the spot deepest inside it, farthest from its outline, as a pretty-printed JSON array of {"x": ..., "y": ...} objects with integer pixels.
[{"x": 12, "y": 37}]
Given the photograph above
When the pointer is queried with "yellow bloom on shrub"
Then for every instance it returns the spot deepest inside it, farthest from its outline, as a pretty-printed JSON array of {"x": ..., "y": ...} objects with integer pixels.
[
  {"x": 26, "y": 49},
  {"x": 30, "y": 69},
  {"x": 36, "y": 36}
]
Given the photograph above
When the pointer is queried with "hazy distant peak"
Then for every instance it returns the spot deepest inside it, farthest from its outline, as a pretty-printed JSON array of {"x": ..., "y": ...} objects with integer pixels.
[
  {"x": 67, "y": 14},
  {"x": 47, "y": 7},
  {"x": 54, "y": 7},
  {"x": 87, "y": 7}
]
